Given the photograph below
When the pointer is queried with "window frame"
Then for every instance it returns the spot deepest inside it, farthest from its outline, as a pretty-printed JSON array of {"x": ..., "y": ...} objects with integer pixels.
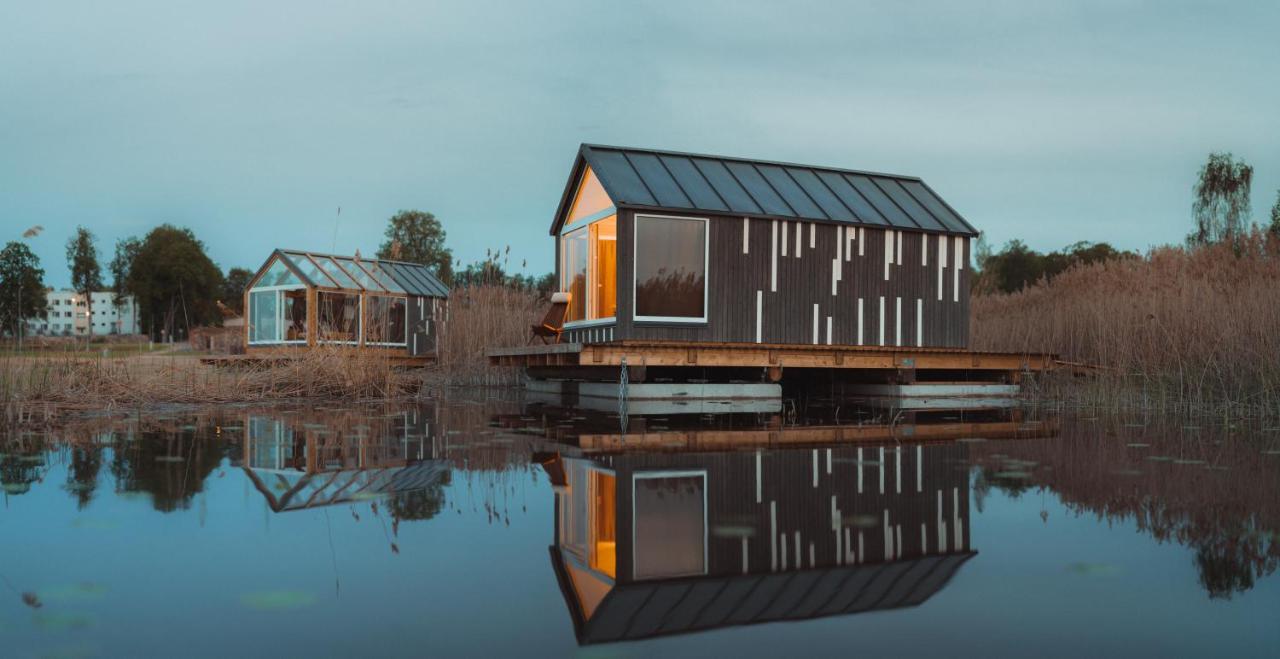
[
  {"x": 706, "y": 270},
  {"x": 279, "y": 295},
  {"x": 706, "y": 523},
  {"x": 359, "y": 317},
  {"x": 584, "y": 224},
  {"x": 404, "y": 297}
]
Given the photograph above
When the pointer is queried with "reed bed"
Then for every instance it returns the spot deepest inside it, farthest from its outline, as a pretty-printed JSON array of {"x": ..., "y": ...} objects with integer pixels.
[
  {"x": 38, "y": 389},
  {"x": 481, "y": 317},
  {"x": 1179, "y": 329}
]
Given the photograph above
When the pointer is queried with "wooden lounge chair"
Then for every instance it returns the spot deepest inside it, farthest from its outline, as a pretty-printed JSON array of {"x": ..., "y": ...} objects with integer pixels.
[{"x": 553, "y": 323}]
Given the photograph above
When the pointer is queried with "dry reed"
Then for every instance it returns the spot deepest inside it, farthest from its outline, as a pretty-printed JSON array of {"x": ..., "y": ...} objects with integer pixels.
[
  {"x": 483, "y": 317},
  {"x": 1177, "y": 329}
]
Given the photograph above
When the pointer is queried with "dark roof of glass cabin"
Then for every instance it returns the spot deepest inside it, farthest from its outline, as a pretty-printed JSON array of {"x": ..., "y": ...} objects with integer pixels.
[
  {"x": 649, "y": 179},
  {"x": 372, "y": 275}
]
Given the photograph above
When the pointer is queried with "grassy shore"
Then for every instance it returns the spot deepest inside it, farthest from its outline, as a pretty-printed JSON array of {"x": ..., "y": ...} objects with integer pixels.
[{"x": 1178, "y": 329}]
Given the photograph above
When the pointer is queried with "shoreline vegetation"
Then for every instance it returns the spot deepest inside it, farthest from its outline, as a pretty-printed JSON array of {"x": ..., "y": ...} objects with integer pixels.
[{"x": 1189, "y": 330}]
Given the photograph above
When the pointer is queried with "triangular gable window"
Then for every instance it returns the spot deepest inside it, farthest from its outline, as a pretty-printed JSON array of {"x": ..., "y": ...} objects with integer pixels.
[
  {"x": 278, "y": 274},
  {"x": 590, "y": 200}
]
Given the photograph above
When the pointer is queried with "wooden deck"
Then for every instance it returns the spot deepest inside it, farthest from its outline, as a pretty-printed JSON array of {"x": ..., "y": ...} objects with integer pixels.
[
  {"x": 774, "y": 357},
  {"x": 283, "y": 358}
]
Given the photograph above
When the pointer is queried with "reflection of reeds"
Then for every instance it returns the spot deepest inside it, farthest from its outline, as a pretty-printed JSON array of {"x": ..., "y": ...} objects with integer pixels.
[
  {"x": 483, "y": 317},
  {"x": 1176, "y": 328},
  {"x": 677, "y": 293}
]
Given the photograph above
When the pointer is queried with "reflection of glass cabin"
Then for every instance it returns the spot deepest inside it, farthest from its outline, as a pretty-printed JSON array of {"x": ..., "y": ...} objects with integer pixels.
[
  {"x": 675, "y": 246},
  {"x": 306, "y": 299},
  {"x": 651, "y": 544}
]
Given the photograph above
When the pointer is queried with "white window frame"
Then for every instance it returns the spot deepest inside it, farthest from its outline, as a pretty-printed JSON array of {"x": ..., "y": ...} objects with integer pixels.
[
  {"x": 706, "y": 270},
  {"x": 405, "y": 343},
  {"x": 279, "y": 291},
  {"x": 584, "y": 225},
  {"x": 706, "y": 539}
]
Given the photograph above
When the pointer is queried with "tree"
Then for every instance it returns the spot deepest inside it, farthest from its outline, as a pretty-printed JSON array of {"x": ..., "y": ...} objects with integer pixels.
[
  {"x": 21, "y": 287},
  {"x": 126, "y": 252},
  {"x": 171, "y": 278},
  {"x": 86, "y": 274},
  {"x": 233, "y": 288},
  {"x": 1274, "y": 228},
  {"x": 1221, "y": 206},
  {"x": 417, "y": 237}
]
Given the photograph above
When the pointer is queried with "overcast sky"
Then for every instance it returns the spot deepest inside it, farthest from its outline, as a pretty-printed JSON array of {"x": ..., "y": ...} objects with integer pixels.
[{"x": 252, "y": 122}]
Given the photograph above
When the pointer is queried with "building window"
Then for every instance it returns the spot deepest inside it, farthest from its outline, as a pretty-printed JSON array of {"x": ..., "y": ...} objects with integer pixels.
[
  {"x": 338, "y": 317},
  {"x": 387, "y": 319},
  {"x": 264, "y": 312},
  {"x": 589, "y": 271},
  {"x": 295, "y": 314},
  {"x": 671, "y": 269},
  {"x": 669, "y": 533}
]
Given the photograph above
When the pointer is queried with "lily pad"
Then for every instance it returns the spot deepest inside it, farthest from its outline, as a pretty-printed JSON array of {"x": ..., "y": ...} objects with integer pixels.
[{"x": 277, "y": 600}]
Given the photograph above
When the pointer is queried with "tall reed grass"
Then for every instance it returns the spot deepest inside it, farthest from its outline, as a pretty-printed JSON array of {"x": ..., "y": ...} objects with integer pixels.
[
  {"x": 481, "y": 317},
  {"x": 1179, "y": 328}
]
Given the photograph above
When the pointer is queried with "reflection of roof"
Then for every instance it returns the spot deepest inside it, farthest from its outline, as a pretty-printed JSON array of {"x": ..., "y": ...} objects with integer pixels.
[
  {"x": 647, "y": 178},
  {"x": 644, "y": 609},
  {"x": 295, "y": 490},
  {"x": 374, "y": 275}
]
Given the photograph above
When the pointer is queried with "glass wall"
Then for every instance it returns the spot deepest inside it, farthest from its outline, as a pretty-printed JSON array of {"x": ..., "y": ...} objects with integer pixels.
[
  {"x": 589, "y": 270},
  {"x": 264, "y": 316},
  {"x": 338, "y": 319},
  {"x": 387, "y": 320},
  {"x": 295, "y": 314},
  {"x": 671, "y": 268}
]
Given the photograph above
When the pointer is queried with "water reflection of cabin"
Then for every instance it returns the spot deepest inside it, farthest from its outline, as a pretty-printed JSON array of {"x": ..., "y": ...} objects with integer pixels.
[
  {"x": 673, "y": 246},
  {"x": 654, "y": 544},
  {"x": 307, "y": 299},
  {"x": 297, "y": 464}
]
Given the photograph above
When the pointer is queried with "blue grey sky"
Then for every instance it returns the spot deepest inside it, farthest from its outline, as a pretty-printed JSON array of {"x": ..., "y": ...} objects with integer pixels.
[{"x": 252, "y": 122}]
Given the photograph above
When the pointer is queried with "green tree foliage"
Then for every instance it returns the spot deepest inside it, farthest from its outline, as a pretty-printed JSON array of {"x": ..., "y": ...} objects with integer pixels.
[
  {"x": 1221, "y": 207},
  {"x": 233, "y": 287},
  {"x": 1017, "y": 265},
  {"x": 418, "y": 237},
  {"x": 126, "y": 252},
  {"x": 86, "y": 274},
  {"x": 492, "y": 271},
  {"x": 172, "y": 279},
  {"x": 21, "y": 287}
]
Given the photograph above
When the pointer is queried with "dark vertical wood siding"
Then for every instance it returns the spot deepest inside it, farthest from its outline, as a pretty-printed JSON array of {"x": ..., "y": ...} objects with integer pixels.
[
  {"x": 804, "y": 504},
  {"x": 804, "y": 280}
]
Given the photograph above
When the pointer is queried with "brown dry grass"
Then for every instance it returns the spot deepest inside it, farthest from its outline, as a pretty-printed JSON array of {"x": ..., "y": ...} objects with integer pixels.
[
  {"x": 1180, "y": 328},
  {"x": 34, "y": 389},
  {"x": 483, "y": 317}
]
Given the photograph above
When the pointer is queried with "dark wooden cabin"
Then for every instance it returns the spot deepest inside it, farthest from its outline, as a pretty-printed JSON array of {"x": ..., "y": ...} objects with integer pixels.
[
  {"x": 306, "y": 299},
  {"x": 657, "y": 245}
]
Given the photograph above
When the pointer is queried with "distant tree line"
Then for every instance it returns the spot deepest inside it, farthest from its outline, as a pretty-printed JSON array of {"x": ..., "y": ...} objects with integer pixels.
[{"x": 1017, "y": 265}]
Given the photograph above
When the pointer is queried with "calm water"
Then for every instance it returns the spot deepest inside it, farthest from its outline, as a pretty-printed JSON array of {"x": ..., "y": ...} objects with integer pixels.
[{"x": 496, "y": 527}]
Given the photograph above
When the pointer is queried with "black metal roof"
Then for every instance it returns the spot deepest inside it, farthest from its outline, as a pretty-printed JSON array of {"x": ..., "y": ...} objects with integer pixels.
[
  {"x": 375, "y": 275},
  {"x": 672, "y": 181}
]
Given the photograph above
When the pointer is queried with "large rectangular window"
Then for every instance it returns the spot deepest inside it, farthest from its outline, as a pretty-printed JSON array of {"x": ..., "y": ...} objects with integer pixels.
[
  {"x": 671, "y": 269},
  {"x": 295, "y": 314},
  {"x": 387, "y": 319},
  {"x": 669, "y": 532},
  {"x": 589, "y": 270},
  {"x": 264, "y": 312},
  {"x": 338, "y": 317}
]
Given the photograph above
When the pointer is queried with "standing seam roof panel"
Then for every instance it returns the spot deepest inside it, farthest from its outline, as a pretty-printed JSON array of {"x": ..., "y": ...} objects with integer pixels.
[
  {"x": 821, "y": 195},
  {"x": 912, "y": 207},
  {"x": 726, "y": 186},
  {"x": 421, "y": 286},
  {"x": 792, "y": 193},
  {"x": 877, "y": 198},
  {"x": 759, "y": 189},
  {"x": 658, "y": 180},
  {"x": 694, "y": 184},
  {"x": 620, "y": 179},
  {"x": 407, "y": 283},
  {"x": 862, "y": 209},
  {"x": 935, "y": 205}
]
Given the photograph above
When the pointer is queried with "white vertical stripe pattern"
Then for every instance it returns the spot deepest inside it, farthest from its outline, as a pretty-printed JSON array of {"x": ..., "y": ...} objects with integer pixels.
[
  {"x": 862, "y": 240},
  {"x": 881, "y": 320},
  {"x": 860, "y": 323},
  {"x": 746, "y": 236},
  {"x": 924, "y": 249},
  {"x": 799, "y": 235},
  {"x": 959, "y": 265},
  {"x": 759, "y": 489},
  {"x": 828, "y": 330},
  {"x": 897, "y": 322},
  {"x": 919, "y": 323},
  {"x": 942, "y": 261},
  {"x": 759, "y": 314},
  {"x": 813, "y": 237},
  {"x": 773, "y": 266},
  {"x": 898, "y": 261},
  {"x": 815, "y": 324},
  {"x": 849, "y": 235},
  {"x": 784, "y": 238},
  {"x": 888, "y": 252}
]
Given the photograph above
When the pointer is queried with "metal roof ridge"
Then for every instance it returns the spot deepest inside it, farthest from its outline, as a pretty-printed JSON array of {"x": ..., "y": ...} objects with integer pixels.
[{"x": 754, "y": 161}]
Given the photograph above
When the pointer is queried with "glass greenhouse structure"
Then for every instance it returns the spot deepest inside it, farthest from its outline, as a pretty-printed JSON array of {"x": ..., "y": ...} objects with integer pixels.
[{"x": 305, "y": 299}]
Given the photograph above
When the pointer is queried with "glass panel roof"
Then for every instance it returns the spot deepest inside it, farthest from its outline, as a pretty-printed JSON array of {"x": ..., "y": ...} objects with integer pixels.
[
  {"x": 278, "y": 274},
  {"x": 308, "y": 269},
  {"x": 388, "y": 282},
  {"x": 360, "y": 275},
  {"x": 344, "y": 281}
]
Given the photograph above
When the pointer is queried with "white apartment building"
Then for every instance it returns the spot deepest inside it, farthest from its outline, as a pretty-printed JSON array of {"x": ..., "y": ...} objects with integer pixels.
[{"x": 68, "y": 315}]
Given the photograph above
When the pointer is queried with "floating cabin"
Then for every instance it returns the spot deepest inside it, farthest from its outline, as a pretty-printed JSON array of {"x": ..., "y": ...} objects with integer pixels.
[
  {"x": 656, "y": 245},
  {"x": 307, "y": 299}
]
